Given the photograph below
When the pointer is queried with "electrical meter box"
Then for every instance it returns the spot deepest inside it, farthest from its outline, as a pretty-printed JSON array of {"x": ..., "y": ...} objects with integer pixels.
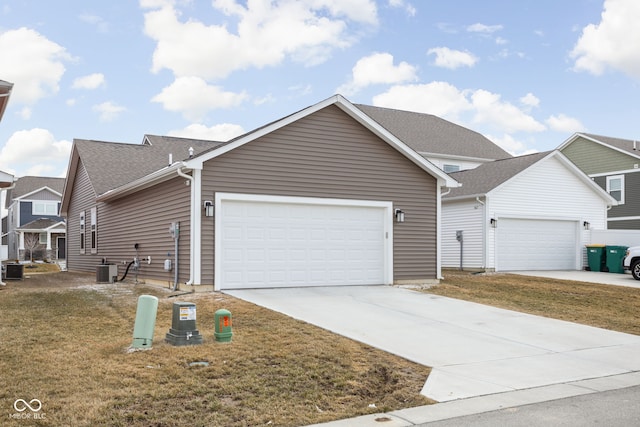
[{"x": 183, "y": 329}]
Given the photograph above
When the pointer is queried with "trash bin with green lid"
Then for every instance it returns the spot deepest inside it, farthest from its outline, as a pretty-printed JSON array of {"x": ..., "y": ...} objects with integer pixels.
[
  {"x": 615, "y": 256},
  {"x": 596, "y": 257}
]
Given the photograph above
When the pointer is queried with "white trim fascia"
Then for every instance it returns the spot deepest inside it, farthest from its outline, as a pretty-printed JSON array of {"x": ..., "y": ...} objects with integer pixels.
[
  {"x": 457, "y": 157},
  {"x": 623, "y": 218},
  {"x": 583, "y": 177},
  {"x": 620, "y": 172},
  {"x": 26, "y": 196},
  {"x": 351, "y": 110},
  {"x": 221, "y": 197},
  {"x": 439, "y": 235},
  {"x": 572, "y": 168},
  {"x": 150, "y": 180}
]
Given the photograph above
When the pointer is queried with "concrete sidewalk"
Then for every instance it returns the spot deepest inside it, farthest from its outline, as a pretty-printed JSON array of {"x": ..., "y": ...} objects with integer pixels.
[
  {"x": 474, "y": 350},
  {"x": 598, "y": 277}
]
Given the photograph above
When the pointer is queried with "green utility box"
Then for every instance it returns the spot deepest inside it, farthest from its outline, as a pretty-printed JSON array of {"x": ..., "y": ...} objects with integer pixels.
[
  {"x": 596, "y": 256},
  {"x": 222, "y": 320},
  {"x": 145, "y": 321},
  {"x": 615, "y": 256},
  {"x": 183, "y": 325}
]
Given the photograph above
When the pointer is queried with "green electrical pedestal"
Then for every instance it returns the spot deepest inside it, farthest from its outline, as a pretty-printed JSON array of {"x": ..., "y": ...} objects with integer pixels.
[
  {"x": 145, "y": 321},
  {"x": 183, "y": 325},
  {"x": 222, "y": 320}
]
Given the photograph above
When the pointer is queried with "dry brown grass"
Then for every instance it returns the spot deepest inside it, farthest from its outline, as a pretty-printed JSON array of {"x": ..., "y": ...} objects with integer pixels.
[
  {"x": 603, "y": 306},
  {"x": 67, "y": 347}
]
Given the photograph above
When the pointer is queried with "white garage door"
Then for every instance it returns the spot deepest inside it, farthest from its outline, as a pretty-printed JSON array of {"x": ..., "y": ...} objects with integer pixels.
[
  {"x": 533, "y": 244},
  {"x": 278, "y": 244}
]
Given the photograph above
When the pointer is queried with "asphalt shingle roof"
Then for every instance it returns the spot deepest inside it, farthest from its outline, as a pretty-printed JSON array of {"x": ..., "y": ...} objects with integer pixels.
[
  {"x": 622, "y": 144},
  {"x": 428, "y": 134},
  {"x": 486, "y": 177},
  {"x": 112, "y": 164},
  {"x": 29, "y": 184}
]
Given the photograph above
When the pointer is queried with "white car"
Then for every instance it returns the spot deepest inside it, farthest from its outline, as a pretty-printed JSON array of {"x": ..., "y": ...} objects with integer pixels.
[{"x": 632, "y": 261}]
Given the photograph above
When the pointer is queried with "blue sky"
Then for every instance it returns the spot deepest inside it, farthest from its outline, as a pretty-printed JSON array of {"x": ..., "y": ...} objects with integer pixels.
[{"x": 527, "y": 73}]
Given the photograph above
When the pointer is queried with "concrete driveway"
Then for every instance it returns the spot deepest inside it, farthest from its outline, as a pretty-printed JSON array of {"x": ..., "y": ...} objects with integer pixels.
[{"x": 474, "y": 349}]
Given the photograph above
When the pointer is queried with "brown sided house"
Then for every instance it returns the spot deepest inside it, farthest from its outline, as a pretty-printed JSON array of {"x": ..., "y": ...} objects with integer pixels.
[{"x": 325, "y": 196}]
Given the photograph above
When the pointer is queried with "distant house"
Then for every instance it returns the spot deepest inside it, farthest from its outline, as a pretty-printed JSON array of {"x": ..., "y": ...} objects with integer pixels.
[
  {"x": 324, "y": 196},
  {"x": 530, "y": 212},
  {"x": 451, "y": 147},
  {"x": 33, "y": 220},
  {"x": 613, "y": 164}
]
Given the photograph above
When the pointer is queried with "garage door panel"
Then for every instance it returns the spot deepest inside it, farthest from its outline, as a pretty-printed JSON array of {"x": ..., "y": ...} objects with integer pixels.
[
  {"x": 270, "y": 244},
  {"x": 535, "y": 244}
]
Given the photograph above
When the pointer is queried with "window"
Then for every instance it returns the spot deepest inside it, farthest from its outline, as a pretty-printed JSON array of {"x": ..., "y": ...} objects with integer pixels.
[
  {"x": 615, "y": 187},
  {"x": 451, "y": 168},
  {"x": 94, "y": 226},
  {"x": 82, "y": 232},
  {"x": 45, "y": 208},
  {"x": 43, "y": 238}
]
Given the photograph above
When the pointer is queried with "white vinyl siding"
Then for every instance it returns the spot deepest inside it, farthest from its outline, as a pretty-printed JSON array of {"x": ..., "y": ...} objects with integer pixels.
[
  {"x": 468, "y": 217},
  {"x": 546, "y": 191}
]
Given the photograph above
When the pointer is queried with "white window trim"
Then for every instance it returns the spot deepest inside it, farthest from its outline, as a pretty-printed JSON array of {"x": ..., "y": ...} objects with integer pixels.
[
  {"x": 94, "y": 231},
  {"x": 82, "y": 234},
  {"x": 45, "y": 204},
  {"x": 621, "y": 178}
]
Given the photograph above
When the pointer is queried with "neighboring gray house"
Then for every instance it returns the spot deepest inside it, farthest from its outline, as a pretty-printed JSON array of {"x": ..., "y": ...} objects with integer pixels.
[
  {"x": 33, "y": 220},
  {"x": 449, "y": 146},
  {"x": 530, "y": 212},
  {"x": 324, "y": 196},
  {"x": 613, "y": 163}
]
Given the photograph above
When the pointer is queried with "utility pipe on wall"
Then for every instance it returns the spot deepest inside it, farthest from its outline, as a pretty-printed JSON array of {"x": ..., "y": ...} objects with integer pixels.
[{"x": 192, "y": 224}]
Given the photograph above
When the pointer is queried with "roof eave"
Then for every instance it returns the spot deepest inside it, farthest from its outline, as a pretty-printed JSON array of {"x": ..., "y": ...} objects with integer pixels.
[{"x": 147, "y": 181}]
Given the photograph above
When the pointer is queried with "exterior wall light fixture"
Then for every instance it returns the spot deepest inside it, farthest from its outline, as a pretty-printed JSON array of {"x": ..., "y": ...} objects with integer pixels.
[
  {"x": 399, "y": 214},
  {"x": 208, "y": 208}
]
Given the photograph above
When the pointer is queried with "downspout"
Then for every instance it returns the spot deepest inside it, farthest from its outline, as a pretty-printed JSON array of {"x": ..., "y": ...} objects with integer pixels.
[
  {"x": 192, "y": 225},
  {"x": 4, "y": 190},
  {"x": 484, "y": 233},
  {"x": 439, "y": 233}
]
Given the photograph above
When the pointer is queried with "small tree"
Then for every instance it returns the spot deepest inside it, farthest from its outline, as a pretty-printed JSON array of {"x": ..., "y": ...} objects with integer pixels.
[{"x": 31, "y": 243}]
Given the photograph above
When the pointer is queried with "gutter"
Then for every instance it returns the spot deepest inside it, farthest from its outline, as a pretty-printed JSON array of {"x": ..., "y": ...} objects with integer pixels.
[{"x": 193, "y": 225}]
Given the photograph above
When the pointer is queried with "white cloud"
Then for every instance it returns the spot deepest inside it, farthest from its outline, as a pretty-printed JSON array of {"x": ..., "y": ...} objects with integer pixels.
[
  {"x": 221, "y": 132},
  {"x": 97, "y": 22},
  {"x": 193, "y": 97},
  {"x": 613, "y": 42},
  {"x": 34, "y": 152},
  {"x": 438, "y": 98},
  {"x": 92, "y": 81},
  {"x": 377, "y": 68},
  {"x": 32, "y": 63},
  {"x": 25, "y": 113},
  {"x": 482, "y": 28},
  {"x": 444, "y": 100},
  {"x": 402, "y": 4},
  {"x": 530, "y": 100},
  {"x": 490, "y": 109},
  {"x": 563, "y": 123},
  {"x": 511, "y": 145},
  {"x": 266, "y": 34},
  {"x": 108, "y": 111},
  {"x": 452, "y": 59}
]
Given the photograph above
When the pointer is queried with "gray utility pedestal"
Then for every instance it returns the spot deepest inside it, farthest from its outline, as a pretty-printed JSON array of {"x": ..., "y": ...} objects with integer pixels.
[{"x": 183, "y": 329}]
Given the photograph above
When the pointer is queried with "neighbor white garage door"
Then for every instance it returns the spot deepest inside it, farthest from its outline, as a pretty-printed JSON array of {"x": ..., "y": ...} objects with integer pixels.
[
  {"x": 275, "y": 244},
  {"x": 533, "y": 244}
]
